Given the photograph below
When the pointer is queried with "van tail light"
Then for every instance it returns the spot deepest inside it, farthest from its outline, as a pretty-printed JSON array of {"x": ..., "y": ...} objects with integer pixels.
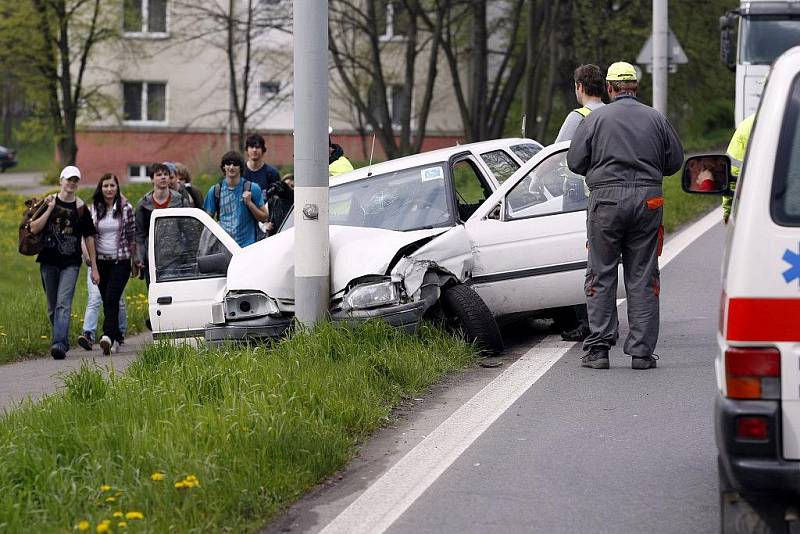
[
  {"x": 753, "y": 373},
  {"x": 752, "y": 427}
]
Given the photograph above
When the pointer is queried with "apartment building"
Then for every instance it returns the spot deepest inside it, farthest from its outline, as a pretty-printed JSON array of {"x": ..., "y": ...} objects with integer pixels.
[{"x": 166, "y": 85}]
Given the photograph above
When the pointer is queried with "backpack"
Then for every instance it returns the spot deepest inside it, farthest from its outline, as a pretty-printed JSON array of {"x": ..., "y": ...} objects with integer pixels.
[
  {"x": 247, "y": 184},
  {"x": 31, "y": 244}
]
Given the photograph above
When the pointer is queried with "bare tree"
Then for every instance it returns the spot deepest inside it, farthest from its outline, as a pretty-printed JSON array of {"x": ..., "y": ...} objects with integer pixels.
[
  {"x": 483, "y": 40},
  {"x": 377, "y": 47},
  {"x": 239, "y": 29}
]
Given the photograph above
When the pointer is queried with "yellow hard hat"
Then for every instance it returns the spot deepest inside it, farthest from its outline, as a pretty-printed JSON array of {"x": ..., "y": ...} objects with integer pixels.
[{"x": 621, "y": 72}]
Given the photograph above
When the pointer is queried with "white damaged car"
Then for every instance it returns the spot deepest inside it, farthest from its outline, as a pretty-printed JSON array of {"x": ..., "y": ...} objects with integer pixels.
[{"x": 469, "y": 234}]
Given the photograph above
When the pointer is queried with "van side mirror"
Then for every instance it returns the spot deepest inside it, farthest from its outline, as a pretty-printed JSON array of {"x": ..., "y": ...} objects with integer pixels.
[
  {"x": 710, "y": 175},
  {"x": 727, "y": 48}
]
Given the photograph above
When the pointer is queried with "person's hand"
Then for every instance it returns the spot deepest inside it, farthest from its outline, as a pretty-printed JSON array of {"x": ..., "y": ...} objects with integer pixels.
[
  {"x": 269, "y": 227},
  {"x": 246, "y": 196},
  {"x": 95, "y": 277},
  {"x": 51, "y": 201},
  {"x": 87, "y": 261},
  {"x": 725, "y": 218}
]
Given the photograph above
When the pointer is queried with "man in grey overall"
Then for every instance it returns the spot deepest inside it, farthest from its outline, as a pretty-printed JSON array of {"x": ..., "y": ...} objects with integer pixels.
[{"x": 624, "y": 149}]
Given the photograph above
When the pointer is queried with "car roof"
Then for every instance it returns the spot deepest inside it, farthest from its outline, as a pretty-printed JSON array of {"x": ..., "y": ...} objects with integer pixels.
[{"x": 427, "y": 158}]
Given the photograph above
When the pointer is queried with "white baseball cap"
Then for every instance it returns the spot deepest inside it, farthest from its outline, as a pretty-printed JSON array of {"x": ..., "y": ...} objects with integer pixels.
[{"x": 70, "y": 171}]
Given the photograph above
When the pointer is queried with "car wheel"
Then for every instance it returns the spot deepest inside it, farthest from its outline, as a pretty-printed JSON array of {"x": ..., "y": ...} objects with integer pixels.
[
  {"x": 465, "y": 310},
  {"x": 741, "y": 514}
]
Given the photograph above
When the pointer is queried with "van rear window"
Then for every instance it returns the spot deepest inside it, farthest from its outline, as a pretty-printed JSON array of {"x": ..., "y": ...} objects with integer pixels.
[{"x": 785, "y": 201}]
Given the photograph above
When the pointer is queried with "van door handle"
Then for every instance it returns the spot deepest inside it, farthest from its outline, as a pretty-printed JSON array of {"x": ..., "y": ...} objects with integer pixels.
[{"x": 164, "y": 300}]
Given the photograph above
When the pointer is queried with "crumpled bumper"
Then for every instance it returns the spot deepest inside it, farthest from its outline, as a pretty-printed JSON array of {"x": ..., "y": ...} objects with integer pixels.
[
  {"x": 255, "y": 330},
  {"x": 404, "y": 316}
]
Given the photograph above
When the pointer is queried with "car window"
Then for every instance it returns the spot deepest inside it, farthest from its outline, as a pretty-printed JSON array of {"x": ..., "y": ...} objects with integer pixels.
[
  {"x": 403, "y": 200},
  {"x": 471, "y": 189},
  {"x": 548, "y": 188},
  {"x": 785, "y": 201},
  {"x": 181, "y": 244},
  {"x": 525, "y": 151},
  {"x": 500, "y": 163}
]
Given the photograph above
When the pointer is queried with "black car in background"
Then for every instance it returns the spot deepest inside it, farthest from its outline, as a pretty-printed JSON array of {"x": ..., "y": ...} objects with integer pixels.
[{"x": 7, "y": 158}]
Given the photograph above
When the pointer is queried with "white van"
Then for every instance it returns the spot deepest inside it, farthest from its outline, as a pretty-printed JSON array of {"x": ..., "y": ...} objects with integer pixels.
[{"x": 757, "y": 413}]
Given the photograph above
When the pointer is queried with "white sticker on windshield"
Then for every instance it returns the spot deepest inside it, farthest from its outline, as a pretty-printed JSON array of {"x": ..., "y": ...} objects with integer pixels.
[{"x": 432, "y": 173}]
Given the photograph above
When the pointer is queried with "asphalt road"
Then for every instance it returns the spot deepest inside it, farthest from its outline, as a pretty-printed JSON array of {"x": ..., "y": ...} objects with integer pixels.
[
  {"x": 579, "y": 451},
  {"x": 602, "y": 451}
]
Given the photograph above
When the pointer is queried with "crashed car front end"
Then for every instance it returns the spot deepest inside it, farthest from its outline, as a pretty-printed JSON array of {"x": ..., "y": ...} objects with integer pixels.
[{"x": 390, "y": 286}]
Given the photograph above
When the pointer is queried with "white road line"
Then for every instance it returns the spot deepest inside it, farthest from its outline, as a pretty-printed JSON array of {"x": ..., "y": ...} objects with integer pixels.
[{"x": 393, "y": 493}]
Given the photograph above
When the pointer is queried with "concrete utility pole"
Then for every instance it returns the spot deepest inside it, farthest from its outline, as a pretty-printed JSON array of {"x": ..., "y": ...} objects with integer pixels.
[
  {"x": 660, "y": 45},
  {"x": 312, "y": 242}
]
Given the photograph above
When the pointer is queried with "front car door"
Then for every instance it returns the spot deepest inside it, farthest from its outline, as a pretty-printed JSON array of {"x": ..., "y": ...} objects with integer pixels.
[
  {"x": 188, "y": 260},
  {"x": 529, "y": 238}
]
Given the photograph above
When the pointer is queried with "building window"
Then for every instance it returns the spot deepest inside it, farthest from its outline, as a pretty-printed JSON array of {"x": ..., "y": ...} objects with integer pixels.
[
  {"x": 269, "y": 90},
  {"x": 395, "y": 95},
  {"x": 392, "y": 20},
  {"x": 144, "y": 101},
  {"x": 138, "y": 173},
  {"x": 144, "y": 17}
]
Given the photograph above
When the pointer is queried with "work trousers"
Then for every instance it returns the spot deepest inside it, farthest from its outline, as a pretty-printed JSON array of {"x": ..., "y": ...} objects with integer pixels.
[
  {"x": 114, "y": 275},
  {"x": 624, "y": 220}
]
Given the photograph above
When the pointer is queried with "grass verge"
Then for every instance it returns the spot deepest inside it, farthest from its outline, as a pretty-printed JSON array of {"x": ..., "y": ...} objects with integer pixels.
[
  {"x": 209, "y": 441},
  {"x": 681, "y": 208}
]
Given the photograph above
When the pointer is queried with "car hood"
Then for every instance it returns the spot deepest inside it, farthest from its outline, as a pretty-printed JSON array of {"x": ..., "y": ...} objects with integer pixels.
[{"x": 268, "y": 265}]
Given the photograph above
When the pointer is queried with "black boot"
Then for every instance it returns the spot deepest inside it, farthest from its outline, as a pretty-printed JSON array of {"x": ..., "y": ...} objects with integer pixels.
[
  {"x": 596, "y": 358},
  {"x": 576, "y": 334}
]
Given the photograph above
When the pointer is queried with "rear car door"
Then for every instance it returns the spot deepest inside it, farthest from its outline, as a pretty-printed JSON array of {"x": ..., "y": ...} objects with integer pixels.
[
  {"x": 188, "y": 261},
  {"x": 529, "y": 238}
]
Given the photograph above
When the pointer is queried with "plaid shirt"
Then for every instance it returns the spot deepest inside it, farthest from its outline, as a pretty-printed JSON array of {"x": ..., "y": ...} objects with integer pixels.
[{"x": 126, "y": 241}]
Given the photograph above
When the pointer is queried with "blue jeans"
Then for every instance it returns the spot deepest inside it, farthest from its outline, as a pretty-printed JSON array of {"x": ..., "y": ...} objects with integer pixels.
[
  {"x": 93, "y": 304},
  {"x": 59, "y": 287}
]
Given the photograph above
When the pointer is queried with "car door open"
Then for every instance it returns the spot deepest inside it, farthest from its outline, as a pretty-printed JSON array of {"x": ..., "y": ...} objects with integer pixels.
[
  {"x": 532, "y": 234},
  {"x": 188, "y": 261}
]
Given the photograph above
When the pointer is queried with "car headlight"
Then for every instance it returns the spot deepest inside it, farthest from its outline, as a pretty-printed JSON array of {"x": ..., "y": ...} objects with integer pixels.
[
  {"x": 371, "y": 295},
  {"x": 240, "y": 305}
]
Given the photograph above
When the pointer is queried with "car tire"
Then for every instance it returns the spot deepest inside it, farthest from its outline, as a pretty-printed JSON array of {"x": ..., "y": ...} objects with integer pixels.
[
  {"x": 741, "y": 514},
  {"x": 465, "y": 310}
]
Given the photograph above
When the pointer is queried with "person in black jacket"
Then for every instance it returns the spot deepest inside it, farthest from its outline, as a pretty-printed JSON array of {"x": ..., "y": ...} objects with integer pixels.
[{"x": 281, "y": 200}]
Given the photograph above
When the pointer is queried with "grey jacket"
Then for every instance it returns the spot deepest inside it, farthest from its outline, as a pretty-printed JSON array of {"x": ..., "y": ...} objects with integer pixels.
[{"x": 624, "y": 142}]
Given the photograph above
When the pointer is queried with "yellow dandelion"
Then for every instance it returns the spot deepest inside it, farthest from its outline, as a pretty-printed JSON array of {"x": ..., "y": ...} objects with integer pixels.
[
  {"x": 181, "y": 484},
  {"x": 133, "y": 516},
  {"x": 158, "y": 475},
  {"x": 103, "y": 527},
  {"x": 111, "y": 499},
  {"x": 105, "y": 487},
  {"x": 118, "y": 514},
  {"x": 83, "y": 526},
  {"x": 122, "y": 524}
]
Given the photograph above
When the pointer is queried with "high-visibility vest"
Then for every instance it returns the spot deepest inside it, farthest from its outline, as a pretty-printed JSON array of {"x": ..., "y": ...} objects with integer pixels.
[
  {"x": 583, "y": 112},
  {"x": 738, "y": 145}
]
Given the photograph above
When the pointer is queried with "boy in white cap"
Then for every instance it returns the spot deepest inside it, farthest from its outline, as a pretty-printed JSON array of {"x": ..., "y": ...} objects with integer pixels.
[{"x": 65, "y": 221}]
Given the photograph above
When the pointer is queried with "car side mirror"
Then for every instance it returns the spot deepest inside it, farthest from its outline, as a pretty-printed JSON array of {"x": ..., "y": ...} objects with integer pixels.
[
  {"x": 214, "y": 263},
  {"x": 709, "y": 175},
  {"x": 495, "y": 213}
]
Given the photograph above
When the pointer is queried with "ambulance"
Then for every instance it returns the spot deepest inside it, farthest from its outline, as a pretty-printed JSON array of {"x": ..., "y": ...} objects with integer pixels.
[{"x": 757, "y": 411}]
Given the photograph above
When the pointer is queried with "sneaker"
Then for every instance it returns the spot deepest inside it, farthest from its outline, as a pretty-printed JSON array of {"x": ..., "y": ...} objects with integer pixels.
[
  {"x": 115, "y": 347},
  {"x": 576, "y": 334},
  {"x": 86, "y": 340},
  {"x": 647, "y": 362},
  {"x": 595, "y": 359},
  {"x": 105, "y": 344},
  {"x": 57, "y": 352}
]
